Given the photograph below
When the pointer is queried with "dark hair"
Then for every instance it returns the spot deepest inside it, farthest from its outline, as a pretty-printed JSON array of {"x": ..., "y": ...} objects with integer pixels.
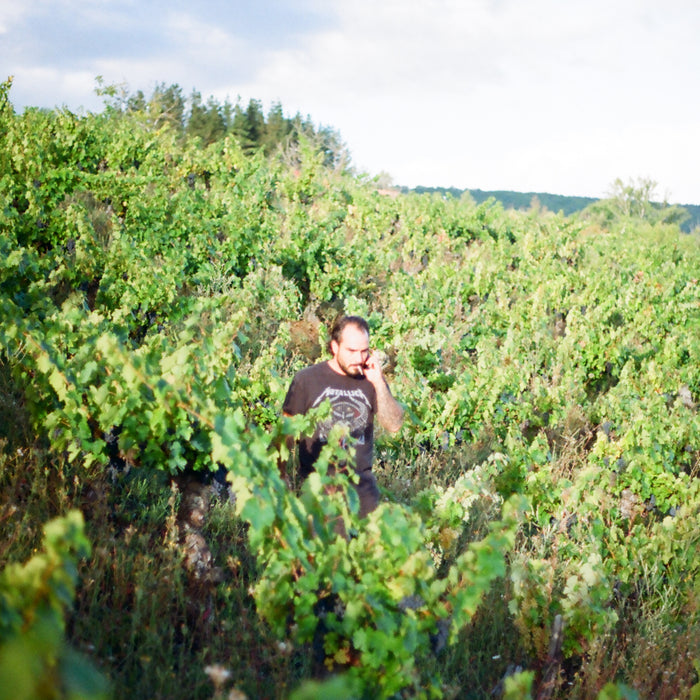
[{"x": 342, "y": 321}]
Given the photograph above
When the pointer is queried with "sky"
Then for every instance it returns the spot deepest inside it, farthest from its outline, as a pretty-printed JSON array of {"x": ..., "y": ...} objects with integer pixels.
[{"x": 554, "y": 96}]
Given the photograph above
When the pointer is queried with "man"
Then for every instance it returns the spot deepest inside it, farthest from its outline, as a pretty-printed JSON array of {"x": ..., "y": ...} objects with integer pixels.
[{"x": 353, "y": 382}]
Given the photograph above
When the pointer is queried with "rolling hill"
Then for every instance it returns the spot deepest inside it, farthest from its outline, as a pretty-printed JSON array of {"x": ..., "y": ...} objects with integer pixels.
[{"x": 554, "y": 202}]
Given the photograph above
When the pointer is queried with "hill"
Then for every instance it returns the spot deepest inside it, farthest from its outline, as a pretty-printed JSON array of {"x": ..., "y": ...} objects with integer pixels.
[{"x": 565, "y": 204}]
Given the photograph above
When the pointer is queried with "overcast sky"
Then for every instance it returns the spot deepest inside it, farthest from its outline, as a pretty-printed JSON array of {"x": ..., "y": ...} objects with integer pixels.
[{"x": 528, "y": 95}]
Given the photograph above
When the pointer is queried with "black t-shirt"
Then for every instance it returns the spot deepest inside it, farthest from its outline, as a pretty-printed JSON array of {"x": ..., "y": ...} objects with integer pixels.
[{"x": 353, "y": 403}]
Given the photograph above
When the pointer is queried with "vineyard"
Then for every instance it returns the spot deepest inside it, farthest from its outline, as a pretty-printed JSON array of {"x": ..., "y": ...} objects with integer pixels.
[{"x": 540, "y": 521}]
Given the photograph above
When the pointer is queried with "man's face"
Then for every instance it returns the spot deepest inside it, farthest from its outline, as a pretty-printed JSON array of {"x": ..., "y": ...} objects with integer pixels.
[{"x": 352, "y": 351}]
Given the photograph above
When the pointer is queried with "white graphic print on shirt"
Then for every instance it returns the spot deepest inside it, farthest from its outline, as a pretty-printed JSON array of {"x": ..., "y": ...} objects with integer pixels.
[{"x": 348, "y": 407}]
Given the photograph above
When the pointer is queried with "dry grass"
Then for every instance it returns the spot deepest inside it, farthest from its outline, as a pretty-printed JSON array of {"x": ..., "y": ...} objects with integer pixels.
[{"x": 154, "y": 626}]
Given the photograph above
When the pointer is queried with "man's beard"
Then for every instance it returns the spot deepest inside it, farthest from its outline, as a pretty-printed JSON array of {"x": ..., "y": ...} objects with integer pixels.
[{"x": 354, "y": 370}]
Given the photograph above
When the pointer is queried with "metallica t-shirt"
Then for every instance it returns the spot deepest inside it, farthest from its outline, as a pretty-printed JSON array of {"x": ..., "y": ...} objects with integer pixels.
[{"x": 353, "y": 403}]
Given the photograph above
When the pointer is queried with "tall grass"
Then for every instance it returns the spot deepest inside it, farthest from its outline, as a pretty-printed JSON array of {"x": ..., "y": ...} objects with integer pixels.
[{"x": 155, "y": 628}]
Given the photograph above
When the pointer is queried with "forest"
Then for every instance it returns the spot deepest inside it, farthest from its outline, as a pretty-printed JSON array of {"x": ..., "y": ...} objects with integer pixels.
[{"x": 161, "y": 281}]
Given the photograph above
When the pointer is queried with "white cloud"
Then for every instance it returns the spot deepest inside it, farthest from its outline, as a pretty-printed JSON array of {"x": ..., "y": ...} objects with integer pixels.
[
  {"x": 73, "y": 89},
  {"x": 211, "y": 45},
  {"x": 496, "y": 94},
  {"x": 10, "y": 14}
]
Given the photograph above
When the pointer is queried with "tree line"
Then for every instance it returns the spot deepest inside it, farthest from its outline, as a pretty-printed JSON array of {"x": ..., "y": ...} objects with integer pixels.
[
  {"x": 210, "y": 120},
  {"x": 256, "y": 131},
  {"x": 625, "y": 199}
]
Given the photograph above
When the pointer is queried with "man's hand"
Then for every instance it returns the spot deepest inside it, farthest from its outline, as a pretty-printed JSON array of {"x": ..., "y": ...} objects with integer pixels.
[
  {"x": 373, "y": 370},
  {"x": 389, "y": 411}
]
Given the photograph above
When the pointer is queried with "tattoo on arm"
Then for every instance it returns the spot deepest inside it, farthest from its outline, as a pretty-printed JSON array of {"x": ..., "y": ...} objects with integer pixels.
[{"x": 389, "y": 411}]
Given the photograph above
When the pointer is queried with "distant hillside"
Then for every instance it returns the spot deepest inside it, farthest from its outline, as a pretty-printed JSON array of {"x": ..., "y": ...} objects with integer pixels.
[
  {"x": 519, "y": 200},
  {"x": 554, "y": 202}
]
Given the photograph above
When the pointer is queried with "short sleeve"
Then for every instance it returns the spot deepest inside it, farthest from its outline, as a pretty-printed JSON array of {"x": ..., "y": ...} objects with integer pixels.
[{"x": 294, "y": 400}]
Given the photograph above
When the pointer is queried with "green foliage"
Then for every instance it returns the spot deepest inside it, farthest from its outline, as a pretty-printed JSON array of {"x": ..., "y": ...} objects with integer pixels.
[
  {"x": 373, "y": 598},
  {"x": 617, "y": 691},
  {"x": 635, "y": 196},
  {"x": 208, "y": 122},
  {"x": 635, "y": 201},
  {"x": 35, "y": 662},
  {"x": 518, "y": 686},
  {"x": 157, "y": 294}
]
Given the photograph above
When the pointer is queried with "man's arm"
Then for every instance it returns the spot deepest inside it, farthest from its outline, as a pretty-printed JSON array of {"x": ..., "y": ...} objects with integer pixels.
[{"x": 389, "y": 411}]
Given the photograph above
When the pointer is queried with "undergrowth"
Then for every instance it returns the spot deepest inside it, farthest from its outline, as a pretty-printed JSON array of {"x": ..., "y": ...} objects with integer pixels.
[
  {"x": 148, "y": 624},
  {"x": 541, "y": 516}
]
